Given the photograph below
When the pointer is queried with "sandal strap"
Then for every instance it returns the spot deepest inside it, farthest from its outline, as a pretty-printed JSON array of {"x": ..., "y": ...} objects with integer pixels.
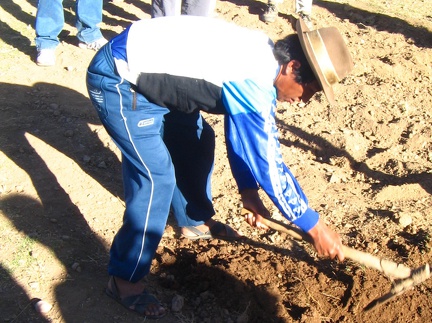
[
  {"x": 140, "y": 302},
  {"x": 217, "y": 228},
  {"x": 196, "y": 231}
]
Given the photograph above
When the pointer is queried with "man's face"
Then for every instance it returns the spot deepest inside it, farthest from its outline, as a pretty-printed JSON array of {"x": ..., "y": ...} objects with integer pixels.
[{"x": 289, "y": 90}]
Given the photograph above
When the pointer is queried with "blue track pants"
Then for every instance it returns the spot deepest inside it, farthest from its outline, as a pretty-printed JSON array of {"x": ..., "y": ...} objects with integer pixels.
[{"x": 167, "y": 160}]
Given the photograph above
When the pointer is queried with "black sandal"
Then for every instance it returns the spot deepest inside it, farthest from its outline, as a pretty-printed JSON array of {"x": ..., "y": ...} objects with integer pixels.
[{"x": 137, "y": 303}]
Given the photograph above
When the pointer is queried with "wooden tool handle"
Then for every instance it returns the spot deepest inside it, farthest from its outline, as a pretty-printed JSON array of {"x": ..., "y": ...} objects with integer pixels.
[
  {"x": 406, "y": 278},
  {"x": 387, "y": 267}
]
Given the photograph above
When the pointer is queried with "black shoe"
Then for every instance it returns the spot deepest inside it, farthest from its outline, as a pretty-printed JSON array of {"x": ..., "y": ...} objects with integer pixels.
[
  {"x": 307, "y": 19},
  {"x": 270, "y": 14}
]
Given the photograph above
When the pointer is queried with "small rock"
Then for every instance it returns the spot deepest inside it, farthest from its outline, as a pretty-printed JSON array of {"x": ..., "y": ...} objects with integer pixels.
[
  {"x": 405, "y": 220},
  {"x": 42, "y": 307},
  {"x": 102, "y": 164},
  {"x": 34, "y": 285},
  {"x": 177, "y": 303},
  {"x": 196, "y": 302},
  {"x": 206, "y": 295},
  {"x": 335, "y": 179},
  {"x": 34, "y": 254},
  {"x": 279, "y": 267},
  {"x": 68, "y": 133},
  {"x": 372, "y": 246},
  {"x": 243, "y": 317},
  {"x": 76, "y": 266}
]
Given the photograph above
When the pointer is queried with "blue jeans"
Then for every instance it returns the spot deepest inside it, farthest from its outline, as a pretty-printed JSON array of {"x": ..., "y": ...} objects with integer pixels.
[
  {"x": 167, "y": 159},
  {"x": 50, "y": 21}
]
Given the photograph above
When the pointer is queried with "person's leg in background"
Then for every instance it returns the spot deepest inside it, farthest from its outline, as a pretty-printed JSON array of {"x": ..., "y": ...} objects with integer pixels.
[
  {"x": 304, "y": 11},
  {"x": 271, "y": 11},
  {"x": 88, "y": 18},
  {"x": 161, "y": 8},
  {"x": 198, "y": 7},
  {"x": 48, "y": 25}
]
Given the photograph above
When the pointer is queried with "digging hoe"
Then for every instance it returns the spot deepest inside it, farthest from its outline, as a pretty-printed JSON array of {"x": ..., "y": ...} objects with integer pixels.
[{"x": 404, "y": 278}]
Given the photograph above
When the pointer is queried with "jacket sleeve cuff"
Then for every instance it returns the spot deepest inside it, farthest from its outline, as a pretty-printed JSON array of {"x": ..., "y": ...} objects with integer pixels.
[{"x": 308, "y": 220}]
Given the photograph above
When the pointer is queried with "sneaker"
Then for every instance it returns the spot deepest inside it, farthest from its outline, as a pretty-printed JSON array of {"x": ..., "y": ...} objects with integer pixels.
[
  {"x": 46, "y": 57},
  {"x": 270, "y": 14},
  {"x": 96, "y": 45},
  {"x": 307, "y": 19}
]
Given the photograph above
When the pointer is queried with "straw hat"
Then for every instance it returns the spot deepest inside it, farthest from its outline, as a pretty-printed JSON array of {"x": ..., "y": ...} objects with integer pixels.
[{"x": 327, "y": 55}]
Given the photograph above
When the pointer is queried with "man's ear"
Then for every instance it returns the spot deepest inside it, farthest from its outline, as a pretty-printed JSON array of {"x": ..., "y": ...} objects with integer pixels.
[{"x": 292, "y": 65}]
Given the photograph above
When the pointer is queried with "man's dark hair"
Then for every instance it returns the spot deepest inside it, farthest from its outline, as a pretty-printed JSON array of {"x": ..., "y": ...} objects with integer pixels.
[{"x": 288, "y": 49}]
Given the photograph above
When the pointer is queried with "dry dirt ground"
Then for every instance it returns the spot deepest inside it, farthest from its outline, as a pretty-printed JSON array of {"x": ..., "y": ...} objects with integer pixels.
[{"x": 365, "y": 164}]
